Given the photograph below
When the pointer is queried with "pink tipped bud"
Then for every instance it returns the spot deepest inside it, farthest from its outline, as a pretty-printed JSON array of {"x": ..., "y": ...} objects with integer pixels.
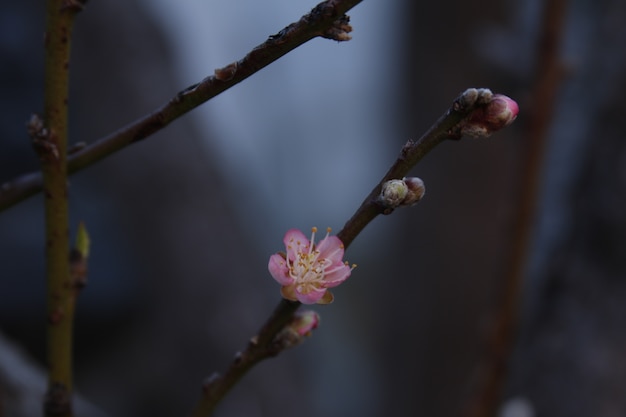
[
  {"x": 300, "y": 327},
  {"x": 500, "y": 112},
  {"x": 304, "y": 322},
  {"x": 416, "y": 190}
]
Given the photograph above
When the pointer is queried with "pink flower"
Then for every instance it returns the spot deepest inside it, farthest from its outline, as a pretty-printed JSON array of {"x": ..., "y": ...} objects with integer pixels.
[
  {"x": 500, "y": 112},
  {"x": 307, "y": 270}
]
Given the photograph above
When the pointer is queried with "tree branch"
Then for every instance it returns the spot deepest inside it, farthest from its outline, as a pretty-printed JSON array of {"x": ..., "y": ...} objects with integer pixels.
[
  {"x": 50, "y": 142},
  {"x": 327, "y": 20},
  {"x": 461, "y": 118},
  {"x": 549, "y": 73}
]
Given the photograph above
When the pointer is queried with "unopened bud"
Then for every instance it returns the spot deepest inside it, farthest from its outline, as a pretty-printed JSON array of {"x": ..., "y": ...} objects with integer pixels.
[
  {"x": 304, "y": 322},
  {"x": 416, "y": 190},
  {"x": 300, "y": 327},
  {"x": 404, "y": 192},
  {"x": 393, "y": 192},
  {"x": 500, "y": 112}
]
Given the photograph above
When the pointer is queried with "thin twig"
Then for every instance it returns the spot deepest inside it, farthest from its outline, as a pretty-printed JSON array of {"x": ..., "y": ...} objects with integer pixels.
[
  {"x": 548, "y": 77},
  {"x": 265, "y": 344},
  {"x": 327, "y": 20},
  {"x": 260, "y": 347},
  {"x": 50, "y": 141}
]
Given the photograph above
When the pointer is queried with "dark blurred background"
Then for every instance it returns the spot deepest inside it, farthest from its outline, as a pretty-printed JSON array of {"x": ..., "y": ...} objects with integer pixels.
[{"x": 183, "y": 223}]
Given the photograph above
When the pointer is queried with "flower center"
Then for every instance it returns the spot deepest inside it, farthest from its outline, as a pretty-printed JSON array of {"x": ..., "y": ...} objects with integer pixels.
[{"x": 308, "y": 268}]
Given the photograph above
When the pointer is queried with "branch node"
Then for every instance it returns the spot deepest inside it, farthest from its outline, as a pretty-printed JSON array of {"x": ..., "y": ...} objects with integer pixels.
[
  {"x": 209, "y": 383},
  {"x": 238, "y": 358},
  {"x": 254, "y": 340},
  {"x": 226, "y": 73},
  {"x": 41, "y": 139},
  {"x": 340, "y": 30},
  {"x": 279, "y": 38}
]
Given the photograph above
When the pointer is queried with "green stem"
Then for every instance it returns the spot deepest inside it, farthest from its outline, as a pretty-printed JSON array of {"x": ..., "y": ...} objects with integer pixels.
[{"x": 52, "y": 149}]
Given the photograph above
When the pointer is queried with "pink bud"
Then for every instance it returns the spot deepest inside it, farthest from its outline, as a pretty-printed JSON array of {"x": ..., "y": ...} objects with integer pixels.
[
  {"x": 304, "y": 322},
  {"x": 299, "y": 328},
  {"x": 500, "y": 112},
  {"x": 416, "y": 190}
]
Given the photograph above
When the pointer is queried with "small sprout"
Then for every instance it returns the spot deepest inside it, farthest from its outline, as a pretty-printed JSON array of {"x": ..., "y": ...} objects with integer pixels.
[
  {"x": 79, "y": 256},
  {"x": 83, "y": 242}
]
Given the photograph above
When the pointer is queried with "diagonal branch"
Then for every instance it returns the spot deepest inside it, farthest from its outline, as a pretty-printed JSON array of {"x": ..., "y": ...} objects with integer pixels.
[
  {"x": 326, "y": 20},
  {"x": 466, "y": 114}
]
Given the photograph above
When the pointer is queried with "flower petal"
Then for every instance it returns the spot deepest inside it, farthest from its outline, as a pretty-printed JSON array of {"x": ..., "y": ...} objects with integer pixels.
[
  {"x": 336, "y": 275},
  {"x": 331, "y": 248},
  {"x": 295, "y": 241},
  {"x": 278, "y": 268}
]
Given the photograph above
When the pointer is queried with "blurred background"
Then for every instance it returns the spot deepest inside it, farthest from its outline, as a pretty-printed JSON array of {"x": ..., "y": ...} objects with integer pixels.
[{"x": 182, "y": 224}]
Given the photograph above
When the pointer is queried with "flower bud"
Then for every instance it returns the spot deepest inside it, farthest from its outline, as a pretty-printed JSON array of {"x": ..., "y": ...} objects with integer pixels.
[
  {"x": 416, "y": 190},
  {"x": 393, "y": 192},
  {"x": 304, "y": 322},
  {"x": 500, "y": 112},
  {"x": 300, "y": 327}
]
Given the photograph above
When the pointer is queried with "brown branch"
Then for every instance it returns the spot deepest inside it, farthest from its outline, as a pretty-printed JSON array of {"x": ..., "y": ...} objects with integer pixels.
[
  {"x": 327, "y": 20},
  {"x": 452, "y": 125},
  {"x": 260, "y": 347},
  {"x": 548, "y": 75}
]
